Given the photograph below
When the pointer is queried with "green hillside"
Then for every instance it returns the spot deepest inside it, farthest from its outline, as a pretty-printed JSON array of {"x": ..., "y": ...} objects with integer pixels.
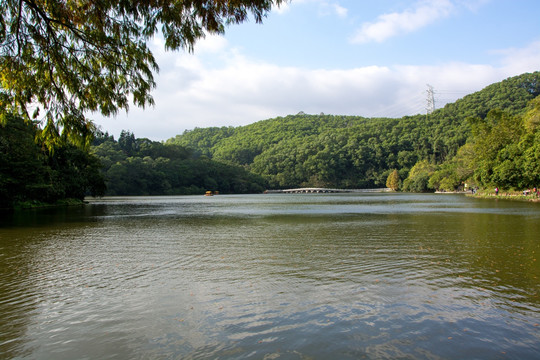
[{"x": 353, "y": 151}]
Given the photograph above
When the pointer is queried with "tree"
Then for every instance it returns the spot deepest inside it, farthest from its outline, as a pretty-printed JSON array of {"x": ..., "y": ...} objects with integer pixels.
[
  {"x": 392, "y": 182},
  {"x": 491, "y": 136},
  {"x": 418, "y": 180},
  {"x": 20, "y": 165},
  {"x": 127, "y": 142},
  {"x": 459, "y": 170},
  {"x": 75, "y": 56},
  {"x": 31, "y": 171}
]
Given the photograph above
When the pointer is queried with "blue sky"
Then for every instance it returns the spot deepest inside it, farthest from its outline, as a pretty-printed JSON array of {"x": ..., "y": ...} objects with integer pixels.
[{"x": 342, "y": 57}]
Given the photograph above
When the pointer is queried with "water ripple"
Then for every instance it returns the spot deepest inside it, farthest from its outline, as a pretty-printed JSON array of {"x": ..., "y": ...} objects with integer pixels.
[{"x": 267, "y": 277}]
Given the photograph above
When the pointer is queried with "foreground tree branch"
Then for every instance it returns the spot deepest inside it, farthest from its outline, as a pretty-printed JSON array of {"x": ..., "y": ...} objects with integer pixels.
[{"x": 65, "y": 58}]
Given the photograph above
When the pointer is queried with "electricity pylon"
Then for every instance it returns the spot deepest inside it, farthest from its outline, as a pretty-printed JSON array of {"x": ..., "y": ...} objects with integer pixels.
[{"x": 430, "y": 107}]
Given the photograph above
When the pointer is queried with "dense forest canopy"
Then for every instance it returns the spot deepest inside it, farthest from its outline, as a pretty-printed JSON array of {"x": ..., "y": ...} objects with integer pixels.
[
  {"x": 32, "y": 171},
  {"x": 139, "y": 166}
]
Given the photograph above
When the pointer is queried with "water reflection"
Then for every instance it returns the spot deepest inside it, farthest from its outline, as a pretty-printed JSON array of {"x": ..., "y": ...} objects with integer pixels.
[{"x": 321, "y": 276}]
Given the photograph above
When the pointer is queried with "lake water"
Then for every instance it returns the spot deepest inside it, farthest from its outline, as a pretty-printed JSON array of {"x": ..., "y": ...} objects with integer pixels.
[{"x": 307, "y": 276}]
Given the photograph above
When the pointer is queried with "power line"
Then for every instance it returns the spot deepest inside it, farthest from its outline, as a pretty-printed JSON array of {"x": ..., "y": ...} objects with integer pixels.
[
  {"x": 453, "y": 92},
  {"x": 412, "y": 104}
]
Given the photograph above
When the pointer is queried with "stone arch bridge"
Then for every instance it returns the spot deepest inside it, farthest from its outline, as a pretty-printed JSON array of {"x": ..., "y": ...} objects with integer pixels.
[{"x": 323, "y": 191}]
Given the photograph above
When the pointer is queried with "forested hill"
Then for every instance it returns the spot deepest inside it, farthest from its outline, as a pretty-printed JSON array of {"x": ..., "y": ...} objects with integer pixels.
[
  {"x": 139, "y": 166},
  {"x": 353, "y": 151}
]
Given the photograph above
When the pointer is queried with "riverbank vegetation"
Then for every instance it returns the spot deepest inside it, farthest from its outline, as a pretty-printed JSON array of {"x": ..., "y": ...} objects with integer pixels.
[
  {"x": 486, "y": 139},
  {"x": 34, "y": 172},
  {"x": 526, "y": 195}
]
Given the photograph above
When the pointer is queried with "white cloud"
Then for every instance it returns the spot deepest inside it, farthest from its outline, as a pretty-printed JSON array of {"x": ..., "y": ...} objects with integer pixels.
[
  {"x": 238, "y": 91},
  {"x": 331, "y": 8},
  {"x": 472, "y": 5},
  {"x": 521, "y": 60},
  {"x": 340, "y": 10},
  {"x": 325, "y": 8},
  {"x": 392, "y": 24},
  {"x": 211, "y": 44}
]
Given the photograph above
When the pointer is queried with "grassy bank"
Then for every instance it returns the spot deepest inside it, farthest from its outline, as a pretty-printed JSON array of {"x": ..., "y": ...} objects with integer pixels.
[{"x": 506, "y": 195}]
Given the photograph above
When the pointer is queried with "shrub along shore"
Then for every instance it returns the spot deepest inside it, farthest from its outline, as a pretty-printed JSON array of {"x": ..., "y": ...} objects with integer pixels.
[
  {"x": 35, "y": 204},
  {"x": 528, "y": 195}
]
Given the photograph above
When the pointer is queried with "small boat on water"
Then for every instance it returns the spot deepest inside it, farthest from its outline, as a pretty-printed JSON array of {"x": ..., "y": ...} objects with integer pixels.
[{"x": 209, "y": 193}]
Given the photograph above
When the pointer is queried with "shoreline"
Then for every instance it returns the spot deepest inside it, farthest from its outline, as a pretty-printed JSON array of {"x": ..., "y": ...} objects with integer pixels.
[
  {"x": 508, "y": 195},
  {"x": 33, "y": 204}
]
